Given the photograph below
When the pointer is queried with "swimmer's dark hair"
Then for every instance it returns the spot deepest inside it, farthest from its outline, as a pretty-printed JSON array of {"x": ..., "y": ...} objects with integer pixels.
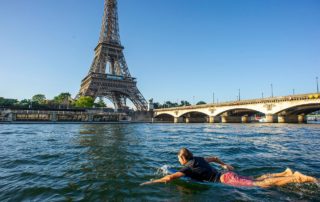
[{"x": 185, "y": 153}]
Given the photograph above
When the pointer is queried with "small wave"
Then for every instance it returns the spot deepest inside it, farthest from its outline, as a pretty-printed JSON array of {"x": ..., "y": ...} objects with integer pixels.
[
  {"x": 51, "y": 140},
  {"x": 305, "y": 190},
  {"x": 47, "y": 156},
  {"x": 163, "y": 170},
  {"x": 18, "y": 162},
  {"x": 7, "y": 133}
]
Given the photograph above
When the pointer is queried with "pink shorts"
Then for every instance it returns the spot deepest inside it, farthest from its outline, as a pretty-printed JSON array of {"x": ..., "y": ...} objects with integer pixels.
[{"x": 231, "y": 178}]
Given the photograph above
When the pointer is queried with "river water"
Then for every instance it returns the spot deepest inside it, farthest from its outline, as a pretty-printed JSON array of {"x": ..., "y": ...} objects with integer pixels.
[{"x": 61, "y": 162}]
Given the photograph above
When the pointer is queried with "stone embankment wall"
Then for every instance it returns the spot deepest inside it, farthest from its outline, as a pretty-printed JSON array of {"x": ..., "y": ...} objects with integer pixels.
[
  {"x": 141, "y": 116},
  {"x": 60, "y": 116}
]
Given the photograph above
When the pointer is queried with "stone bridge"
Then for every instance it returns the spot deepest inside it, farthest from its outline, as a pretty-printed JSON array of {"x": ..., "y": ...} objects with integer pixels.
[{"x": 285, "y": 109}]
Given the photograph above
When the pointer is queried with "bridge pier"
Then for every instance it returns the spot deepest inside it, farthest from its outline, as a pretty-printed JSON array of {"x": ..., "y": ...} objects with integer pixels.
[
  {"x": 196, "y": 120},
  {"x": 230, "y": 119},
  {"x": 245, "y": 119},
  {"x": 214, "y": 119},
  {"x": 178, "y": 119},
  {"x": 302, "y": 118},
  {"x": 270, "y": 118},
  {"x": 224, "y": 119},
  {"x": 211, "y": 119},
  {"x": 291, "y": 119},
  {"x": 282, "y": 119}
]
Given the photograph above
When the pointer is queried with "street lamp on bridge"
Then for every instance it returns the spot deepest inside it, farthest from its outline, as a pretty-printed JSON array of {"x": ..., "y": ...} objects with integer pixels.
[
  {"x": 317, "y": 84},
  {"x": 213, "y": 97},
  {"x": 271, "y": 90}
]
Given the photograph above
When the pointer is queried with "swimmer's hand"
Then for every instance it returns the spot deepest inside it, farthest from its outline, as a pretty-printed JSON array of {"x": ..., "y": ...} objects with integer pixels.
[
  {"x": 147, "y": 183},
  {"x": 165, "y": 179},
  {"x": 227, "y": 167}
]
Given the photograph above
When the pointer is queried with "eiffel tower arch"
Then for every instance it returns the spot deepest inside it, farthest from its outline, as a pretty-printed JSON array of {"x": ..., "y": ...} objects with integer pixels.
[{"x": 109, "y": 75}]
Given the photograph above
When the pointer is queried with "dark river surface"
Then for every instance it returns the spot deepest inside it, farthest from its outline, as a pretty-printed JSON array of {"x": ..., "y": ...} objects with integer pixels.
[{"x": 61, "y": 162}]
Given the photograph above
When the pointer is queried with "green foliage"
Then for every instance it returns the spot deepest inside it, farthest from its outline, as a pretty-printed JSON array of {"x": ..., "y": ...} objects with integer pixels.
[
  {"x": 184, "y": 103},
  {"x": 63, "y": 99},
  {"x": 7, "y": 102},
  {"x": 100, "y": 103},
  {"x": 201, "y": 103},
  {"x": 39, "y": 98},
  {"x": 25, "y": 103},
  {"x": 169, "y": 104},
  {"x": 84, "y": 102},
  {"x": 157, "y": 105}
]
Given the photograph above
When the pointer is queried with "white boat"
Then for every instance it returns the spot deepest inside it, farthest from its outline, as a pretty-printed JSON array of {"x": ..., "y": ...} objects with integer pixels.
[{"x": 263, "y": 120}]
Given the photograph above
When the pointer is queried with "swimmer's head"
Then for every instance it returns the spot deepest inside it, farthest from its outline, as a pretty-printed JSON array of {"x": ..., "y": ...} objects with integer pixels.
[{"x": 184, "y": 155}]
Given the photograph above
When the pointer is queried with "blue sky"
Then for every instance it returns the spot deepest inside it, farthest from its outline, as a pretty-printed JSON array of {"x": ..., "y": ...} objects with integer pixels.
[{"x": 177, "y": 49}]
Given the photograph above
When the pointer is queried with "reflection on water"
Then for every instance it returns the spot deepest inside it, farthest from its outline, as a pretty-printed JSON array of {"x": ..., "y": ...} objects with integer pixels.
[{"x": 101, "y": 162}]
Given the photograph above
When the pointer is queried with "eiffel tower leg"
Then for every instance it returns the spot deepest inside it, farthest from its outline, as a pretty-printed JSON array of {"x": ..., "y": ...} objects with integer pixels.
[
  {"x": 138, "y": 100},
  {"x": 117, "y": 100}
]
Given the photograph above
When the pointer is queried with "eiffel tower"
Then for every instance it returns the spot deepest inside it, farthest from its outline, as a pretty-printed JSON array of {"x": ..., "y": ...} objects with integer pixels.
[{"x": 117, "y": 84}]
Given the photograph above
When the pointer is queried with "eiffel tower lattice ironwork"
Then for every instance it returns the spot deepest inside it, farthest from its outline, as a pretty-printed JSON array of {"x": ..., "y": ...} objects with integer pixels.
[{"x": 117, "y": 84}]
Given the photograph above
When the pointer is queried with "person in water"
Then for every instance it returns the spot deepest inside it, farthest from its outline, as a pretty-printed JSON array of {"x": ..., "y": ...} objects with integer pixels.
[{"x": 199, "y": 169}]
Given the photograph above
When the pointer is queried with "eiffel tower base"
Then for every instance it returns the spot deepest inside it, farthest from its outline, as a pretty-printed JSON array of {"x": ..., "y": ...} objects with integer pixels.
[{"x": 116, "y": 89}]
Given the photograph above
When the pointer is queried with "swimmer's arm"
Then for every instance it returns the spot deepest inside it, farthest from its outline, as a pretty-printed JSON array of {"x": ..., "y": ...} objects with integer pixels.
[
  {"x": 215, "y": 159},
  {"x": 165, "y": 179}
]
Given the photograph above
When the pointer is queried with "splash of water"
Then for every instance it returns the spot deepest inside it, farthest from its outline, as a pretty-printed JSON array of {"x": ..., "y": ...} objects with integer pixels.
[{"x": 163, "y": 170}]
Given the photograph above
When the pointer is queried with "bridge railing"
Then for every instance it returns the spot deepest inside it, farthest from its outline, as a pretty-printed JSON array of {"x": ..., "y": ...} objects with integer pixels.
[{"x": 251, "y": 101}]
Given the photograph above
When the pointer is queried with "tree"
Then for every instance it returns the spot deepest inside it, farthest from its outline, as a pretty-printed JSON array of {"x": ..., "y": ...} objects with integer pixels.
[
  {"x": 84, "y": 102},
  {"x": 25, "y": 103},
  {"x": 7, "y": 102},
  {"x": 168, "y": 104},
  {"x": 175, "y": 104},
  {"x": 184, "y": 103},
  {"x": 39, "y": 98},
  {"x": 201, "y": 103},
  {"x": 51, "y": 103},
  {"x": 100, "y": 103},
  {"x": 157, "y": 105},
  {"x": 63, "y": 99}
]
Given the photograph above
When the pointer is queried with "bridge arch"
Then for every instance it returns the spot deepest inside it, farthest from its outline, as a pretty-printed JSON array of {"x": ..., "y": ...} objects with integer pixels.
[
  {"x": 194, "y": 116},
  {"x": 164, "y": 117},
  {"x": 240, "y": 111},
  {"x": 171, "y": 113},
  {"x": 304, "y": 109},
  {"x": 238, "y": 115},
  {"x": 194, "y": 112}
]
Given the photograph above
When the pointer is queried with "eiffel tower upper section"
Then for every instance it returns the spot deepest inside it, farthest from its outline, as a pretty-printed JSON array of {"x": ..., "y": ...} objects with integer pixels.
[
  {"x": 110, "y": 39},
  {"x": 109, "y": 75},
  {"x": 110, "y": 27}
]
